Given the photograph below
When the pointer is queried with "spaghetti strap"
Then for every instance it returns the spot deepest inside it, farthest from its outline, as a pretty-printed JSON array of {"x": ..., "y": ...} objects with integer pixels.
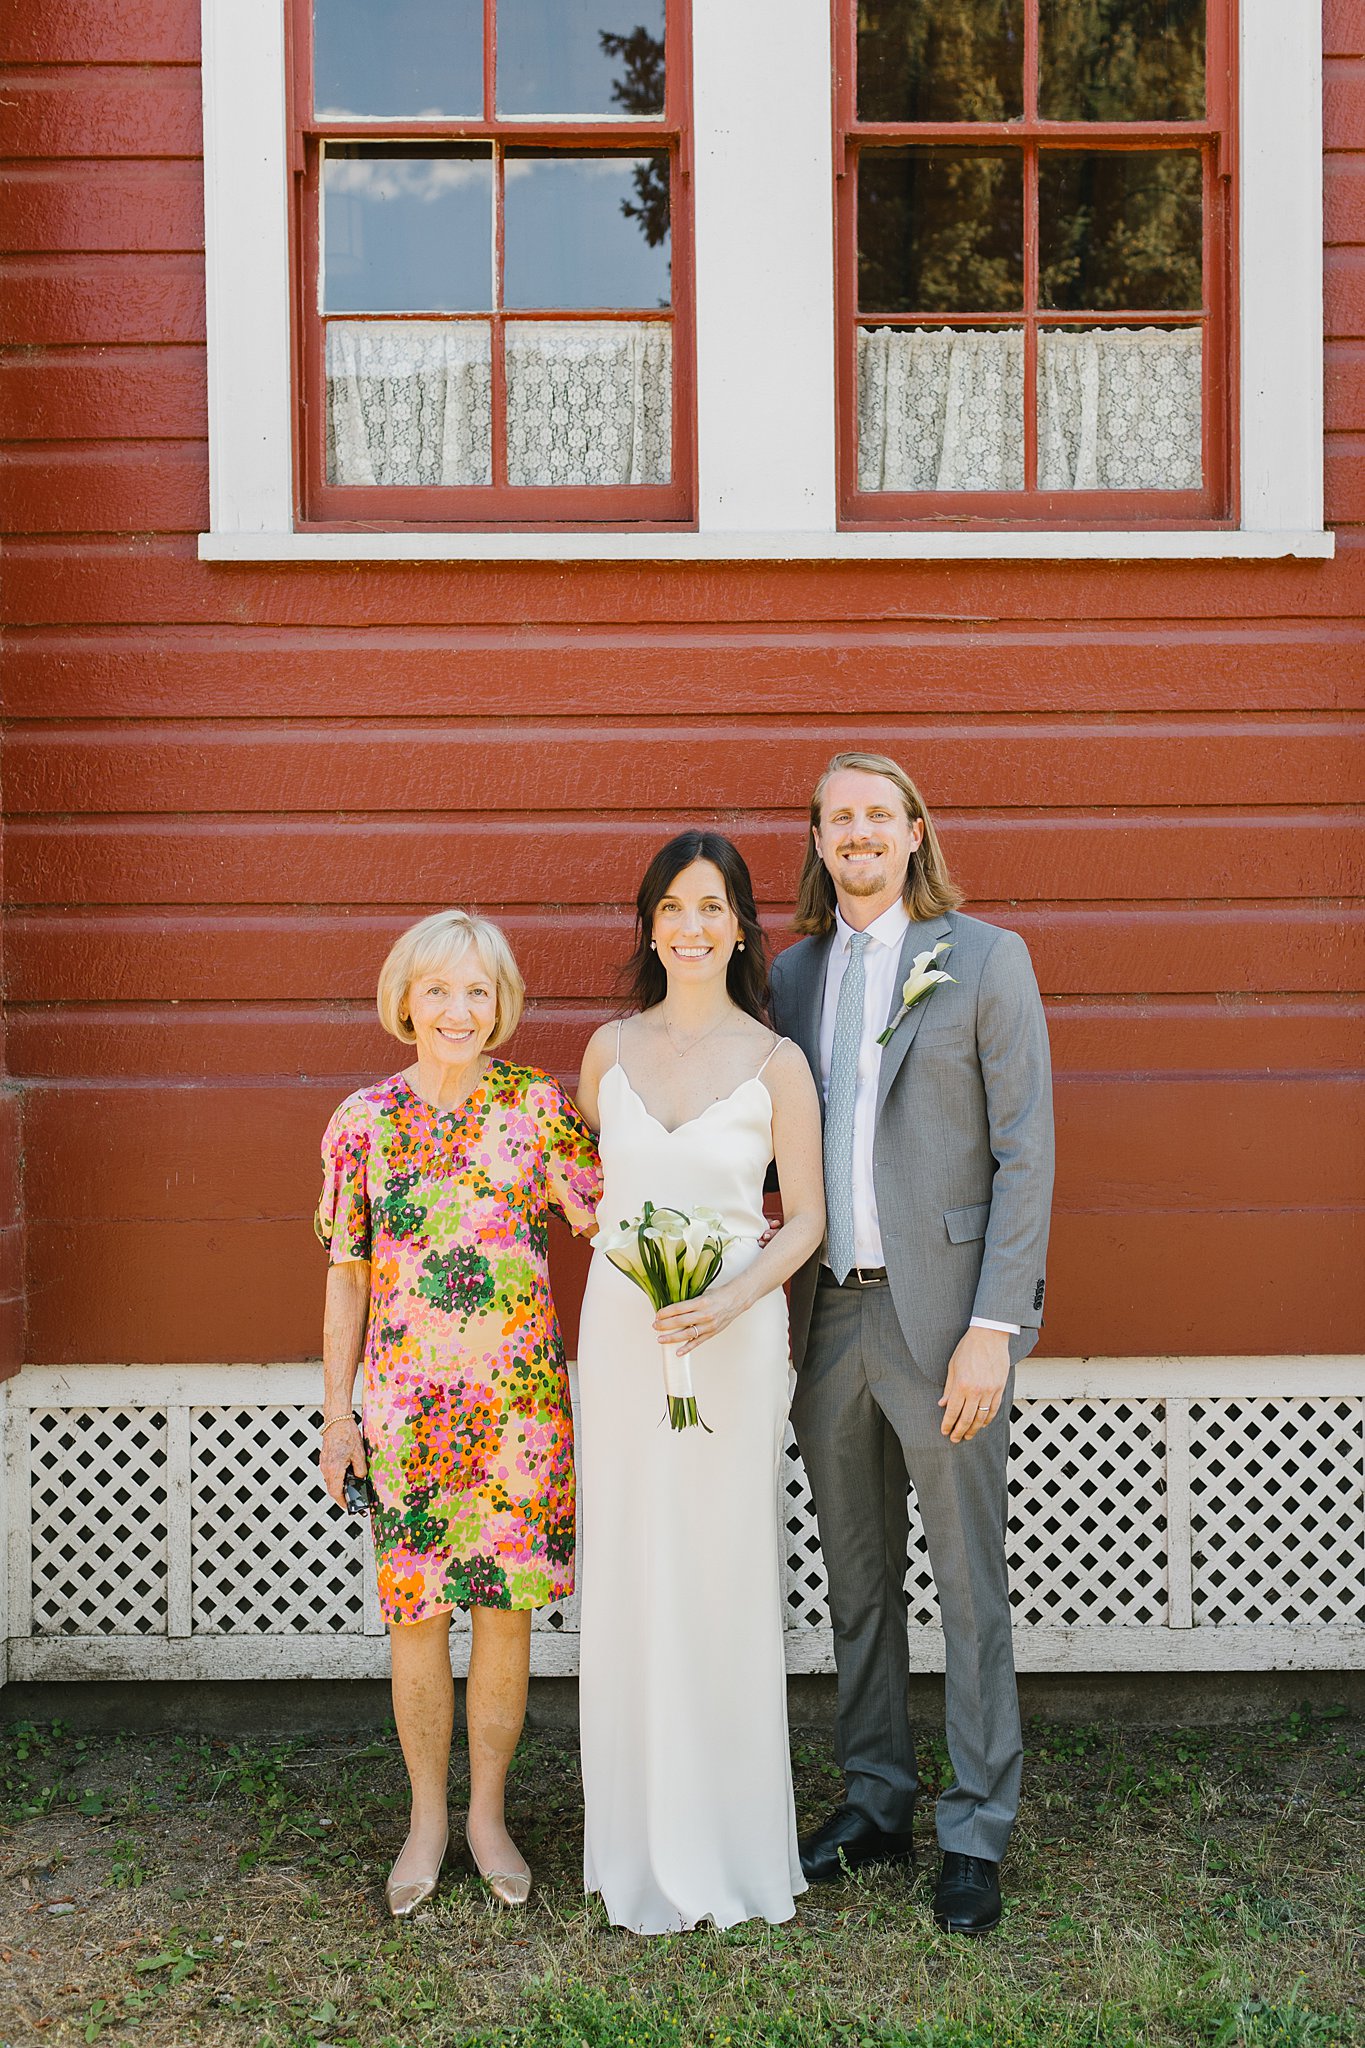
[
  {"x": 618, "y": 1041},
  {"x": 780, "y": 1042}
]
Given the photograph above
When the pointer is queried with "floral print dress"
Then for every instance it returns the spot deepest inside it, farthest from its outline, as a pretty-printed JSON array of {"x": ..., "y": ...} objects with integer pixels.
[{"x": 467, "y": 1425}]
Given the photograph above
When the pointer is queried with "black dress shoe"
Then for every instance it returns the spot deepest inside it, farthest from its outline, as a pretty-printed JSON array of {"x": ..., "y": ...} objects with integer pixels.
[
  {"x": 967, "y": 1895},
  {"x": 848, "y": 1840}
]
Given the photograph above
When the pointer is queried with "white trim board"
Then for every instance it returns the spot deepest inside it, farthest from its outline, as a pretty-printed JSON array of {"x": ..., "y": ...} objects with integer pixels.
[
  {"x": 1037, "y": 1379},
  {"x": 247, "y": 284},
  {"x": 765, "y": 239},
  {"x": 1220, "y": 545},
  {"x": 808, "y": 1652}
]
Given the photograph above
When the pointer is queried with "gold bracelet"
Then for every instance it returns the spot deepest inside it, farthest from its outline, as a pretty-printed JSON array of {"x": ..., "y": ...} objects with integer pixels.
[{"x": 334, "y": 1421}]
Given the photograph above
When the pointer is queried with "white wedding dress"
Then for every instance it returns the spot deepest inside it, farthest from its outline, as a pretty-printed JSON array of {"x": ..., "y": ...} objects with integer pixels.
[{"x": 683, "y": 1703}]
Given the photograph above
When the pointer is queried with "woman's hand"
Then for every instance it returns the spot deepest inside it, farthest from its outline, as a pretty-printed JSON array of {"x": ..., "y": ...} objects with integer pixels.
[
  {"x": 341, "y": 1450},
  {"x": 689, "y": 1323}
]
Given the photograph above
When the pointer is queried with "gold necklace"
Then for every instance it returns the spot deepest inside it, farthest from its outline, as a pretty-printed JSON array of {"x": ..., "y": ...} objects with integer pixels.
[{"x": 681, "y": 1052}]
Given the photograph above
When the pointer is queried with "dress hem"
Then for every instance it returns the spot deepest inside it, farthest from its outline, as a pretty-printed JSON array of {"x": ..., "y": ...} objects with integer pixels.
[
  {"x": 434, "y": 1607},
  {"x": 683, "y": 1926}
]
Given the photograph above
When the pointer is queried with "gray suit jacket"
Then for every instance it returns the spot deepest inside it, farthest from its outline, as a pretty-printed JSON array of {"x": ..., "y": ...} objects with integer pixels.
[{"x": 962, "y": 1158}]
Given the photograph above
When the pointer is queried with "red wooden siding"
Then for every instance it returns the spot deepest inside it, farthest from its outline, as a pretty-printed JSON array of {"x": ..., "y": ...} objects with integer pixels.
[
  {"x": 11, "y": 1211},
  {"x": 226, "y": 787}
]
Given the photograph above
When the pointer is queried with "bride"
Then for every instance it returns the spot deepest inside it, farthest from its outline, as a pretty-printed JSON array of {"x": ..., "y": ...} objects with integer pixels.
[{"x": 683, "y": 1706}]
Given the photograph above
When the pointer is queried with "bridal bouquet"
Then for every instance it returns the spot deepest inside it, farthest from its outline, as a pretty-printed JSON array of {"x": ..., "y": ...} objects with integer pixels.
[{"x": 672, "y": 1257}]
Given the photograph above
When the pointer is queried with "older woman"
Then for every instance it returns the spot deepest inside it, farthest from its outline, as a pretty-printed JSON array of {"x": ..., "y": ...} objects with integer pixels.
[{"x": 439, "y": 1184}]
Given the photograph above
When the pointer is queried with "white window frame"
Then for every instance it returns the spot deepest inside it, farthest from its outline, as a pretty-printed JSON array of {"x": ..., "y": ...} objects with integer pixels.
[{"x": 764, "y": 221}]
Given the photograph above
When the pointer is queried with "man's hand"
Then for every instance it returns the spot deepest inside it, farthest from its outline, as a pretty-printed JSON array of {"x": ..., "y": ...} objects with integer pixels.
[
  {"x": 772, "y": 1217},
  {"x": 977, "y": 1372}
]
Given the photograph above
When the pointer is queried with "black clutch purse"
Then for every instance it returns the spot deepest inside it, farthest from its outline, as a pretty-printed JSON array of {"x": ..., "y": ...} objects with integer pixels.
[{"x": 358, "y": 1492}]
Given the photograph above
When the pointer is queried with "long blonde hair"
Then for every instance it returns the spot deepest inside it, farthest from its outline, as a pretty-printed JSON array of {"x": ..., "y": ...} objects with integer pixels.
[{"x": 929, "y": 888}]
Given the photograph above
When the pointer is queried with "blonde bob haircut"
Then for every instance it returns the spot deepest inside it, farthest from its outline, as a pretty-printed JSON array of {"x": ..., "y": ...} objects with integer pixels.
[
  {"x": 929, "y": 888},
  {"x": 434, "y": 946}
]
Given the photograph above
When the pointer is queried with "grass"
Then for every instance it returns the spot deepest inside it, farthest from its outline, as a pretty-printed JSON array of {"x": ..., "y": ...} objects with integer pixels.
[{"x": 1186, "y": 1887}]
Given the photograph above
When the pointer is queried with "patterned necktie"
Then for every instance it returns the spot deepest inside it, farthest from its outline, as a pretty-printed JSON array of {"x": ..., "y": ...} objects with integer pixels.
[{"x": 839, "y": 1102}]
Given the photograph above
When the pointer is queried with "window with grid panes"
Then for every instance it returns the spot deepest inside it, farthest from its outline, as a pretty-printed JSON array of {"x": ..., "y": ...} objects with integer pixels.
[
  {"x": 492, "y": 231},
  {"x": 1033, "y": 257}
]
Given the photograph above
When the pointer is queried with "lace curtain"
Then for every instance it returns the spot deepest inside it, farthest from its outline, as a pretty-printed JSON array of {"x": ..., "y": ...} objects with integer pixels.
[
  {"x": 1119, "y": 409},
  {"x": 939, "y": 409},
  {"x": 410, "y": 402},
  {"x": 589, "y": 405},
  {"x": 942, "y": 409}
]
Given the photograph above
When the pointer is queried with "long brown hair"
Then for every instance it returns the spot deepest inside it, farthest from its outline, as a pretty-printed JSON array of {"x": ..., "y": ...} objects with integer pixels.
[
  {"x": 929, "y": 888},
  {"x": 746, "y": 976}
]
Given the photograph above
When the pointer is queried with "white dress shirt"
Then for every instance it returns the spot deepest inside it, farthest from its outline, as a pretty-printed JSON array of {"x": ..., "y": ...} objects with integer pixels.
[{"x": 881, "y": 960}]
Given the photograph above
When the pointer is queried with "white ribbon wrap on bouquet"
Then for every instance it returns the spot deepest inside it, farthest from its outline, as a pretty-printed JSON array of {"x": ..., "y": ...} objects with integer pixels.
[{"x": 677, "y": 1373}]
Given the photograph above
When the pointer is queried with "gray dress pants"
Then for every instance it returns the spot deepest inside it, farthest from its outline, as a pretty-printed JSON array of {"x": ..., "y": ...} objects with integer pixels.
[{"x": 865, "y": 1418}]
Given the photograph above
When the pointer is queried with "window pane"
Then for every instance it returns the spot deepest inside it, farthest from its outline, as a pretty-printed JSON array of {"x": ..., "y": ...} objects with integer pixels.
[
  {"x": 596, "y": 57},
  {"x": 407, "y": 229},
  {"x": 409, "y": 402},
  {"x": 584, "y": 231},
  {"x": 940, "y": 231},
  {"x": 1120, "y": 409},
  {"x": 940, "y": 60},
  {"x": 1119, "y": 229},
  {"x": 409, "y": 59},
  {"x": 589, "y": 403},
  {"x": 940, "y": 409},
  {"x": 1121, "y": 60}
]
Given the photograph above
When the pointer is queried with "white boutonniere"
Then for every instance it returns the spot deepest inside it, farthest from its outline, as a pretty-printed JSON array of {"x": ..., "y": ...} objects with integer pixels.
[{"x": 924, "y": 978}]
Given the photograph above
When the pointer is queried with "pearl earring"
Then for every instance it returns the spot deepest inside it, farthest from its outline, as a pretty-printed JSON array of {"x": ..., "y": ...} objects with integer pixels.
[
  {"x": 740, "y": 947},
  {"x": 654, "y": 945}
]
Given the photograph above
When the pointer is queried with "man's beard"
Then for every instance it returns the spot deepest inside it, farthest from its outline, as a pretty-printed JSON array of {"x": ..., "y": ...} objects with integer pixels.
[
  {"x": 864, "y": 885},
  {"x": 855, "y": 884}
]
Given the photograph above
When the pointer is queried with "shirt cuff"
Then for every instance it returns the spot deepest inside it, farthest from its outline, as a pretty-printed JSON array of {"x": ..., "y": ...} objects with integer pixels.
[{"x": 985, "y": 1323}]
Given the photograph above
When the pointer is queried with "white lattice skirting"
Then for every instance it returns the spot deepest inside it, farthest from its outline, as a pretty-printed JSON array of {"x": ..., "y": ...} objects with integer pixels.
[{"x": 1165, "y": 1514}]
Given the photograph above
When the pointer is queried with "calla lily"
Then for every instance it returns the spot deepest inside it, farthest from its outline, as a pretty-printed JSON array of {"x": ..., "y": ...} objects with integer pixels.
[
  {"x": 923, "y": 978},
  {"x": 671, "y": 1257}
]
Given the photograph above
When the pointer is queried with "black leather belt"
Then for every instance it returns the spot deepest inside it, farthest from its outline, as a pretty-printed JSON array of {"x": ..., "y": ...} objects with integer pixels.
[{"x": 859, "y": 1276}]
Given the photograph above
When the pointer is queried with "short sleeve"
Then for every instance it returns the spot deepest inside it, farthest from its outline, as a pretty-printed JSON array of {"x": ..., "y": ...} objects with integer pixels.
[
  {"x": 573, "y": 1171},
  {"x": 342, "y": 1221}
]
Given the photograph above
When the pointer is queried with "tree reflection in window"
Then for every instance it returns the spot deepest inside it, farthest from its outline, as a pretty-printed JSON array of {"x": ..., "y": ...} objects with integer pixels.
[
  {"x": 1120, "y": 229},
  {"x": 940, "y": 231},
  {"x": 1121, "y": 60},
  {"x": 639, "y": 90},
  {"x": 940, "y": 60}
]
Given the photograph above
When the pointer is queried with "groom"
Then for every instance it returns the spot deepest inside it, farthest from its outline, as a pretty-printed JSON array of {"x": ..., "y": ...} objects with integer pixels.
[{"x": 907, "y": 1326}]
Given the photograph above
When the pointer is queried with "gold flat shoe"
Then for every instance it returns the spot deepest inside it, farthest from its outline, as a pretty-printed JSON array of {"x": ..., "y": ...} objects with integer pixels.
[
  {"x": 509, "y": 1887},
  {"x": 404, "y": 1899}
]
